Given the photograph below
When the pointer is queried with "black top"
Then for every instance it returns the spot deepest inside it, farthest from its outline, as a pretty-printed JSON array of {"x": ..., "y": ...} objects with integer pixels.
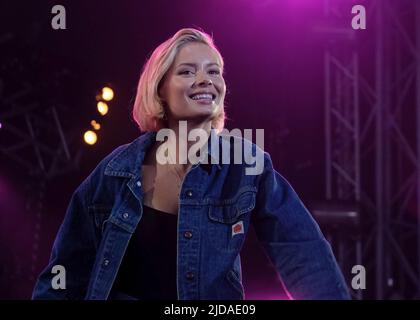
[{"x": 148, "y": 269}]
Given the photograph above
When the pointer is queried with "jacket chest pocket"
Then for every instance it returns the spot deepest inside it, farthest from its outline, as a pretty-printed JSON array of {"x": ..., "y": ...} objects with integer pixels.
[{"x": 229, "y": 220}]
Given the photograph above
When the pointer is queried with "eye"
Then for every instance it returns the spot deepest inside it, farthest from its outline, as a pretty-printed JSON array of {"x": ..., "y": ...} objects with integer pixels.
[
  {"x": 187, "y": 72},
  {"x": 214, "y": 72}
]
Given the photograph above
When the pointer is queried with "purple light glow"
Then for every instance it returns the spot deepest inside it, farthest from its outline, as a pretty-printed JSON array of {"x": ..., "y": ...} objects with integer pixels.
[
  {"x": 266, "y": 296},
  {"x": 16, "y": 235}
]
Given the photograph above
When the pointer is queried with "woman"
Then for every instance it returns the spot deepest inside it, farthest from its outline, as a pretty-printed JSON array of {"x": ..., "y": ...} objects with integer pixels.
[{"x": 142, "y": 228}]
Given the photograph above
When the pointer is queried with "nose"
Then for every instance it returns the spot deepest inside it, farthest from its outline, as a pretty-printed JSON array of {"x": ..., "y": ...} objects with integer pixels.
[{"x": 203, "y": 79}]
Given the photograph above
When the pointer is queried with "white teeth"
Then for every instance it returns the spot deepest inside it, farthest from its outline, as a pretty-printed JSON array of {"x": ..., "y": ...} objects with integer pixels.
[{"x": 199, "y": 96}]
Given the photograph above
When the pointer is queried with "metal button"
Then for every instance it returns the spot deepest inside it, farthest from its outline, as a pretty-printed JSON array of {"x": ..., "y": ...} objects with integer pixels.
[
  {"x": 106, "y": 262},
  {"x": 189, "y": 193},
  {"x": 188, "y": 234},
  {"x": 189, "y": 275},
  {"x": 138, "y": 183},
  {"x": 125, "y": 215}
]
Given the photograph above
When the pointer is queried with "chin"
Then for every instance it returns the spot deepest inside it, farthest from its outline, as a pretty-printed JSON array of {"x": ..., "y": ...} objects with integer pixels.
[{"x": 203, "y": 109}]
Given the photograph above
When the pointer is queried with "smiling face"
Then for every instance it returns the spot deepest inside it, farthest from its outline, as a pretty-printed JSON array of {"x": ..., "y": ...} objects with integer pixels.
[{"x": 193, "y": 88}]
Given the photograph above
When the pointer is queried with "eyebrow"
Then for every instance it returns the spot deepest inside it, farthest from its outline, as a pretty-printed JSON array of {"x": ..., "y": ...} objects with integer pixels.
[{"x": 194, "y": 64}]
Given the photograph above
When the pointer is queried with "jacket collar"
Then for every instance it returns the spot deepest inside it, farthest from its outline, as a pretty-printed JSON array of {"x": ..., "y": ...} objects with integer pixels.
[{"x": 127, "y": 163}]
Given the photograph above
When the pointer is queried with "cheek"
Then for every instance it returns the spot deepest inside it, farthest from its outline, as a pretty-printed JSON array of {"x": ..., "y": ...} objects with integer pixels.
[
  {"x": 179, "y": 90},
  {"x": 221, "y": 86}
]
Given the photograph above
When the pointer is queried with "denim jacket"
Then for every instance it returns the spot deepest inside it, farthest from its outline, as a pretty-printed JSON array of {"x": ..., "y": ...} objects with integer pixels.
[{"x": 217, "y": 204}]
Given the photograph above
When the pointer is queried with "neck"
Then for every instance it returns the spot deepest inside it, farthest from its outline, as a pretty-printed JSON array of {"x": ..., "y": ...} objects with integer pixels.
[{"x": 178, "y": 144}]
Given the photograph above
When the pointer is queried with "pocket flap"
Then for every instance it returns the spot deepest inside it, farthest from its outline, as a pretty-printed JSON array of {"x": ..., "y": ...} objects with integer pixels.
[{"x": 230, "y": 213}]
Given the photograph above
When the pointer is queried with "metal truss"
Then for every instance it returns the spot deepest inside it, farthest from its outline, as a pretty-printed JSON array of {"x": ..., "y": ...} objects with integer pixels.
[
  {"x": 31, "y": 132},
  {"x": 33, "y": 139},
  {"x": 372, "y": 132}
]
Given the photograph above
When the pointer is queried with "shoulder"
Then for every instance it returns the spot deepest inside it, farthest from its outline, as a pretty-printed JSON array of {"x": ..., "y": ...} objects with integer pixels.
[
  {"x": 234, "y": 138},
  {"x": 251, "y": 155},
  {"x": 123, "y": 159}
]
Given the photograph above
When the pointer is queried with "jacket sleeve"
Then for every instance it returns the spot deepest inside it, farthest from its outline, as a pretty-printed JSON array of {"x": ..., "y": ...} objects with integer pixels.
[
  {"x": 293, "y": 241},
  {"x": 74, "y": 249}
]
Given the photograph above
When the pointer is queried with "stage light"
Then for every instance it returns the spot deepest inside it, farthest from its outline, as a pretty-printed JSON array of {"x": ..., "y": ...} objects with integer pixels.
[
  {"x": 90, "y": 137},
  {"x": 95, "y": 125},
  {"x": 102, "y": 108},
  {"x": 107, "y": 93}
]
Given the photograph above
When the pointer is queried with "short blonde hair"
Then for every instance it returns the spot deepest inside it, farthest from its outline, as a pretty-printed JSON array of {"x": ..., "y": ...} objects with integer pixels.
[{"x": 148, "y": 110}]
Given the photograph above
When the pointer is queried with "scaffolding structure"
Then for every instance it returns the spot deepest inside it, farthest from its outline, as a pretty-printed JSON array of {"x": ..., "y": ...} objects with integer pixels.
[
  {"x": 32, "y": 137},
  {"x": 372, "y": 136}
]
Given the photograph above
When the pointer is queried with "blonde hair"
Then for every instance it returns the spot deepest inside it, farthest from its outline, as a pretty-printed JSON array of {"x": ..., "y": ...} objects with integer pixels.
[{"x": 148, "y": 110}]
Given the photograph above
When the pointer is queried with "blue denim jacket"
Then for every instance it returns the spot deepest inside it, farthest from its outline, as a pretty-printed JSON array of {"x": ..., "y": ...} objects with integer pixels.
[{"x": 106, "y": 208}]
